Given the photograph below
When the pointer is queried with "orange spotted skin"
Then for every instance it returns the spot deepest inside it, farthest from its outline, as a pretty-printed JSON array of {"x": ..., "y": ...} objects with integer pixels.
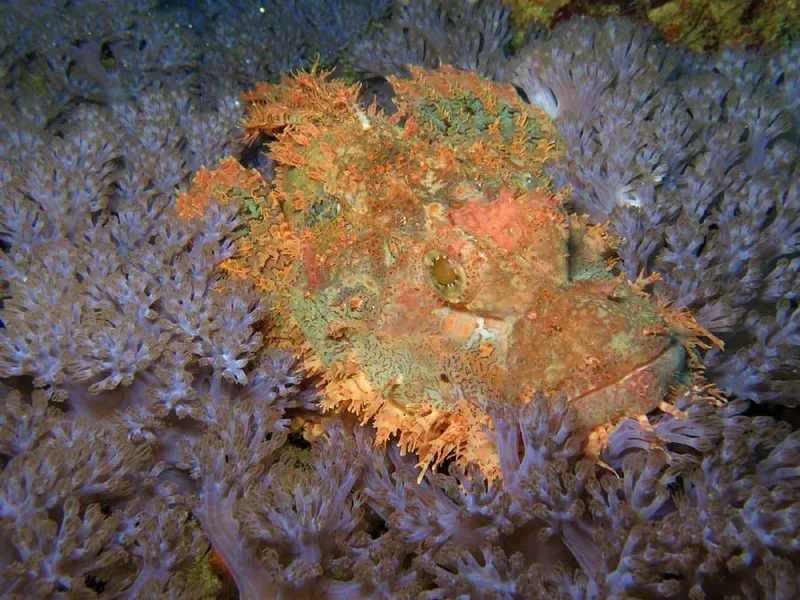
[{"x": 422, "y": 264}]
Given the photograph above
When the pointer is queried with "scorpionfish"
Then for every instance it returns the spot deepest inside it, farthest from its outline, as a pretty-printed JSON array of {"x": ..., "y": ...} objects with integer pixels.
[{"x": 421, "y": 263}]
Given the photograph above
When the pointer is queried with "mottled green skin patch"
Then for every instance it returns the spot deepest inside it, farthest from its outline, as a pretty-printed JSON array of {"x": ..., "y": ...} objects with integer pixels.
[{"x": 464, "y": 114}]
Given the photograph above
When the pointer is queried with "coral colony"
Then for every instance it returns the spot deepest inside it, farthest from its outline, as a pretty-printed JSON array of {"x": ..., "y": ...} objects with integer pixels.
[{"x": 414, "y": 300}]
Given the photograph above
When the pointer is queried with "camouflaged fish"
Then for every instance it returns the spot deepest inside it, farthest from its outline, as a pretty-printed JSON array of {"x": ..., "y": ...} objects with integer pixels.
[{"x": 422, "y": 263}]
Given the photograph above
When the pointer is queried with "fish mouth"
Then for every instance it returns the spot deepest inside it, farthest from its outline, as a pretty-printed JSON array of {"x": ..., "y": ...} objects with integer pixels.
[{"x": 636, "y": 392}]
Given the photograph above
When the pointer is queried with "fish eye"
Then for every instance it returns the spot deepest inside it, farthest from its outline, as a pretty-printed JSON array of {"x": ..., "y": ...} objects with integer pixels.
[
  {"x": 443, "y": 271},
  {"x": 446, "y": 275}
]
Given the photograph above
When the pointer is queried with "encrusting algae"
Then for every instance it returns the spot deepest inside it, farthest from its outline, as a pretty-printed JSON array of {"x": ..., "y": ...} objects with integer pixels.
[
  {"x": 422, "y": 265},
  {"x": 701, "y": 25}
]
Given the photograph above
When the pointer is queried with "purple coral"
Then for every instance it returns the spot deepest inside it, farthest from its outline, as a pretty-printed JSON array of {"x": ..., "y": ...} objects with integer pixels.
[
  {"x": 142, "y": 421},
  {"x": 625, "y": 128},
  {"x": 466, "y": 35}
]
